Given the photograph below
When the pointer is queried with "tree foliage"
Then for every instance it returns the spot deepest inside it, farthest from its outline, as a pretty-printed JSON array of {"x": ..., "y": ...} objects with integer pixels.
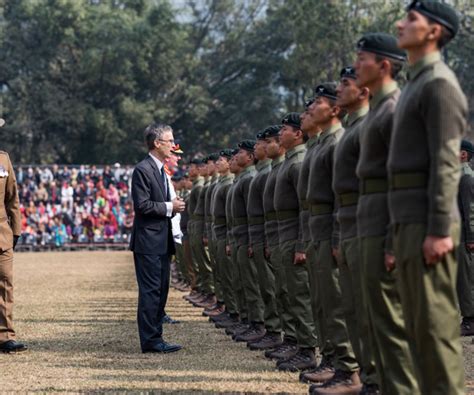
[{"x": 81, "y": 79}]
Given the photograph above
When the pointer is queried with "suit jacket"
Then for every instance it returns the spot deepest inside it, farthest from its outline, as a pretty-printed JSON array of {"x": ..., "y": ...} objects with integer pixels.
[
  {"x": 10, "y": 217},
  {"x": 151, "y": 232}
]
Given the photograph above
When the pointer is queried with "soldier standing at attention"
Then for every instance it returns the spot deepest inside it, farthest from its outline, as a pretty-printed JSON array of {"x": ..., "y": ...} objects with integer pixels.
[
  {"x": 379, "y": 61},
  {"x": 10, "y": 225},
  {"x": 354, "y": 101},
  {"x": 219, "y": 231},
  {"x": 265, "y": 272},
  {"x": 276, "y": 152},
  {"x": 465, "y": 280},
  {"x": 208, "y": 240},
  {"x": 290, "y": 233},
  {"x": 423, "y": 169},
  {"x": 323, "y": 113},
  {"x": 240, "y": 200}
]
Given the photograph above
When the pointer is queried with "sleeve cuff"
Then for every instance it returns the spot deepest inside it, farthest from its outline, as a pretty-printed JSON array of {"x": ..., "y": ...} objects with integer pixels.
[
  {"x": 439, "y": 225},
  {"x": 169, "y": 209}
]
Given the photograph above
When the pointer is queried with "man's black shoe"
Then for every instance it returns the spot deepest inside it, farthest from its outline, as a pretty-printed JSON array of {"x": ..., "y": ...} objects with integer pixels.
[
  {"x": 12, "y": 346},
  {"x": 163, "y": 347},
  {"x": 168, "y": 320}
]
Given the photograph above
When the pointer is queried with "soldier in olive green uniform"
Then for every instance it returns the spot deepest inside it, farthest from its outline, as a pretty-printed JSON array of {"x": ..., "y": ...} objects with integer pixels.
[
  {"x": 378, "y": 61},
  {"x": 240, "y": 231},
  {"x": 185, "y": 192},
  {"x": 423, "y": 170},
  {"x": 264, "y": 268},
  {"x": 208, "y": 240},
  {"x": 355, "y": 101},
  {"x": 197, "y": 183},
  {"x": 323, "y": 114},
  {"x": 219, "y": 232},
  {"x": 290, "y": 235},
  {"x": 276, "y": 152},
  {"x": 465, "y": 280},
  {"x": 10, "y": 225},
  {"x": 200, "y": 251}
]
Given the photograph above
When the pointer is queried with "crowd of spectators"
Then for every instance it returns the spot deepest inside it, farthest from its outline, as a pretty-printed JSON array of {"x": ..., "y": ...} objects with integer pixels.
[{"x": 74, "y": 204}]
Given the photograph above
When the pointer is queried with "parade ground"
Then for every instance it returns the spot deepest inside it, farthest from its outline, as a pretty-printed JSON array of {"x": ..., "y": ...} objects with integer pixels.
[{"x": 76, "y": 311}]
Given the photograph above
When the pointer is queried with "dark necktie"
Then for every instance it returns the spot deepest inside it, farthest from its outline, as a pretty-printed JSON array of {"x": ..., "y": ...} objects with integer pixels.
[{"x": 165, "y": 183}]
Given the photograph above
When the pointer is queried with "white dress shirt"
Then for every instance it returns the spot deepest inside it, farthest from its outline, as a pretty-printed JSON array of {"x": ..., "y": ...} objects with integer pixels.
[{"x": 169, "y": 205}]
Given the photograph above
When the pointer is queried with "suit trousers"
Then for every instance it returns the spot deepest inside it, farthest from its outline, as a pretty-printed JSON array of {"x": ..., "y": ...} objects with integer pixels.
[
  {"x": 6, "y": 296},
  {"x": 153, "y": 278},
  {"x": 393, "y": 360},
  {"x": 465, "y": 282},
  {"x": 429, "y": 301}
]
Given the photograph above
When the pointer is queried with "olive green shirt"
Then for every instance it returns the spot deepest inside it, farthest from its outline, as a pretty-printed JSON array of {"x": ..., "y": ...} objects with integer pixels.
[
  {"x": 207, "y": 206},
  {"x": 287, "y": 205},
  {"x": 218, "y": 207},
  {"x": 228, "y": 210},
  {"x": 240, "y": 198},
  {"x": 271, "y": 223},
  {"x": 196, "y": 189},
  {"x": 429, "y": 123},
  {"x": 199, "y": 212},
  {"x": 255, "y": 211}
]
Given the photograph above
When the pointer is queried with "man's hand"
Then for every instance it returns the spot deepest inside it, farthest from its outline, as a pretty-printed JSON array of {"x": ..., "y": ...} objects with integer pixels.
[
  {"x": 300, "y": 258},
  {"x": 205, "y": 241},
  {"x": 250, "y": 252},
  {"x": 335, "y": 252},
  {"x": 267, "y": 252},
  {"x": 470, "y": 246},
  {"x": 178, "y": 205},
  {"x": 228, "y": 250},
  {"x": 435, "y": 248},
  {"x": 389, "y": 262},
  {"x": 15, "y": 240}
]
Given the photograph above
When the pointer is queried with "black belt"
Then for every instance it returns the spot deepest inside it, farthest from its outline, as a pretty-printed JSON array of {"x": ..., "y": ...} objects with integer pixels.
[
  {"x": 373, "y": 185},
  {"x": 240, "y": 221},
  {"x": 271, "y": 216},
  {"x": 348, "y": 199},
  {"x": 220, "y": 220},
  {"x": 321, "y": 209},
  {"x": 283, "y": 215},
  {"x": 256, "y": 220}
]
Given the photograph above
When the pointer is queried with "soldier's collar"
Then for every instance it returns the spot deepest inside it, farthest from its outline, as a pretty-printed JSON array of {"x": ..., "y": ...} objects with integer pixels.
[
  {"x": 351, "y": 118},
  {"x": 327, "y": 132},
  {"x": 248, "y": 169},
  {"x": 312, "y": 140},
  {"x": 227, "y": 177},
  {"x": 296, "y": 150},
  {"x": 386, "y": 90},
  {"x": 261, "y": 164},
  {"x": 278, "y": 160},
  {"x": 418, "y": 67}
]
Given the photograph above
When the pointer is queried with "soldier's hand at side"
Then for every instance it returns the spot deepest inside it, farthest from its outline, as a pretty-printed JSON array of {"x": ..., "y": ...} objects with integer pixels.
[
  {"x": 267, "y": 252},
  {"x": 335, "y": 252},
  {"x": 228, "y": 251},
  {"x": 205, "y": 241},
  {"x": 300, "y": 258},
  {"x": 389, "y": 262},
  {"x": 435, "y": 248},
  {"x": 250, "y": 252},
  {"x": 15, "y": 240},
  {"x": 470, "y": 246},
  {"x": 178, "y": 205}
]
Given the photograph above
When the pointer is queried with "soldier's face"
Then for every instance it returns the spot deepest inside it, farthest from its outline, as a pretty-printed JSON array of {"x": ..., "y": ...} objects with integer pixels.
[
  {"x": 259, "y": 150},
  {"x": 211, "y": 167},
  {"x": 233, "y": 165},
  {"x": 222, "y": 165},
  {"x": 203, "y": 170},
  {"x": 287, "y": 136},
  {"x": 414, "y": 30},
  {"x": 193, "y": 171},
  {"x": 347, "y": 92},
  {"x": 272, "y": 148},
  {"x": 308, "y": 123},
  {"x": 321, "y": 112},
  {"x": 367, "y": 69},
  {"x": 243, "y": 158}
]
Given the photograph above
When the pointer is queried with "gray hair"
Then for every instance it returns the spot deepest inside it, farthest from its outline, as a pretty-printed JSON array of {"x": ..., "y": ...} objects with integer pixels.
[{"x": 155, "y": 132}]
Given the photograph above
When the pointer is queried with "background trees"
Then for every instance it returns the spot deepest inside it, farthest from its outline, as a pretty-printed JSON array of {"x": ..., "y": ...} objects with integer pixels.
[{"x": 80, "y": 79}]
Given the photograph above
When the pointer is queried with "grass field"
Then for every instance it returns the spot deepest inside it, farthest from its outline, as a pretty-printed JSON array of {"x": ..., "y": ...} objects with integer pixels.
[{"x": 77, "y": 313}]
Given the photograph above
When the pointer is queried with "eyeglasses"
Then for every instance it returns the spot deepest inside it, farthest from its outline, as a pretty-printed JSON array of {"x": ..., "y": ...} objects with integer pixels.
[{"x": 167, "y": 141}]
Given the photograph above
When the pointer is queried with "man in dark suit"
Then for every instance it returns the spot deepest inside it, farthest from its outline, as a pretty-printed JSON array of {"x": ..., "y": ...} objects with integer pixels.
[{"x": 152, "y": 240}]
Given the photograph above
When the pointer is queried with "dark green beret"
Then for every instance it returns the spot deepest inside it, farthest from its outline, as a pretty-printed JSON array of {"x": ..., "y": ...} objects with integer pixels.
[
  {"x": 292, "y": 119},
  {"x": 272, "y": 131},
  {"x": 227, "y": 153},
  {"x": 235, "y": 151},
  {"x": 247, "y": 145},
  {"x": 327, "y": 89},
  {"x": 348, "y": 72},
  {"x": 196, "y": 161},
  {"x": 261, "y": 135},
  {"x": 214, "y": 156},
  {"x": 382, "y": 44},
  {"x": 467, "y": 146},
  {"x": 186, "y": 174},
  {"x": 441, "y": 13}
]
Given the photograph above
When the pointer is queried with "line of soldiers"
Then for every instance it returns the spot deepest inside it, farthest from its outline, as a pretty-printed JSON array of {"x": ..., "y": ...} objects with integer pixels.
[{"x": 342, "y": 236}]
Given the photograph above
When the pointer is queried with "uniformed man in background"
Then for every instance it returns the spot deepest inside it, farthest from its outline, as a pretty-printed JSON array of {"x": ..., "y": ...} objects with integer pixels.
[
  {"x": 423, "y": 169},
  {"x": 10, "y": 231},
  {"x": 465, "y": 279}
]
